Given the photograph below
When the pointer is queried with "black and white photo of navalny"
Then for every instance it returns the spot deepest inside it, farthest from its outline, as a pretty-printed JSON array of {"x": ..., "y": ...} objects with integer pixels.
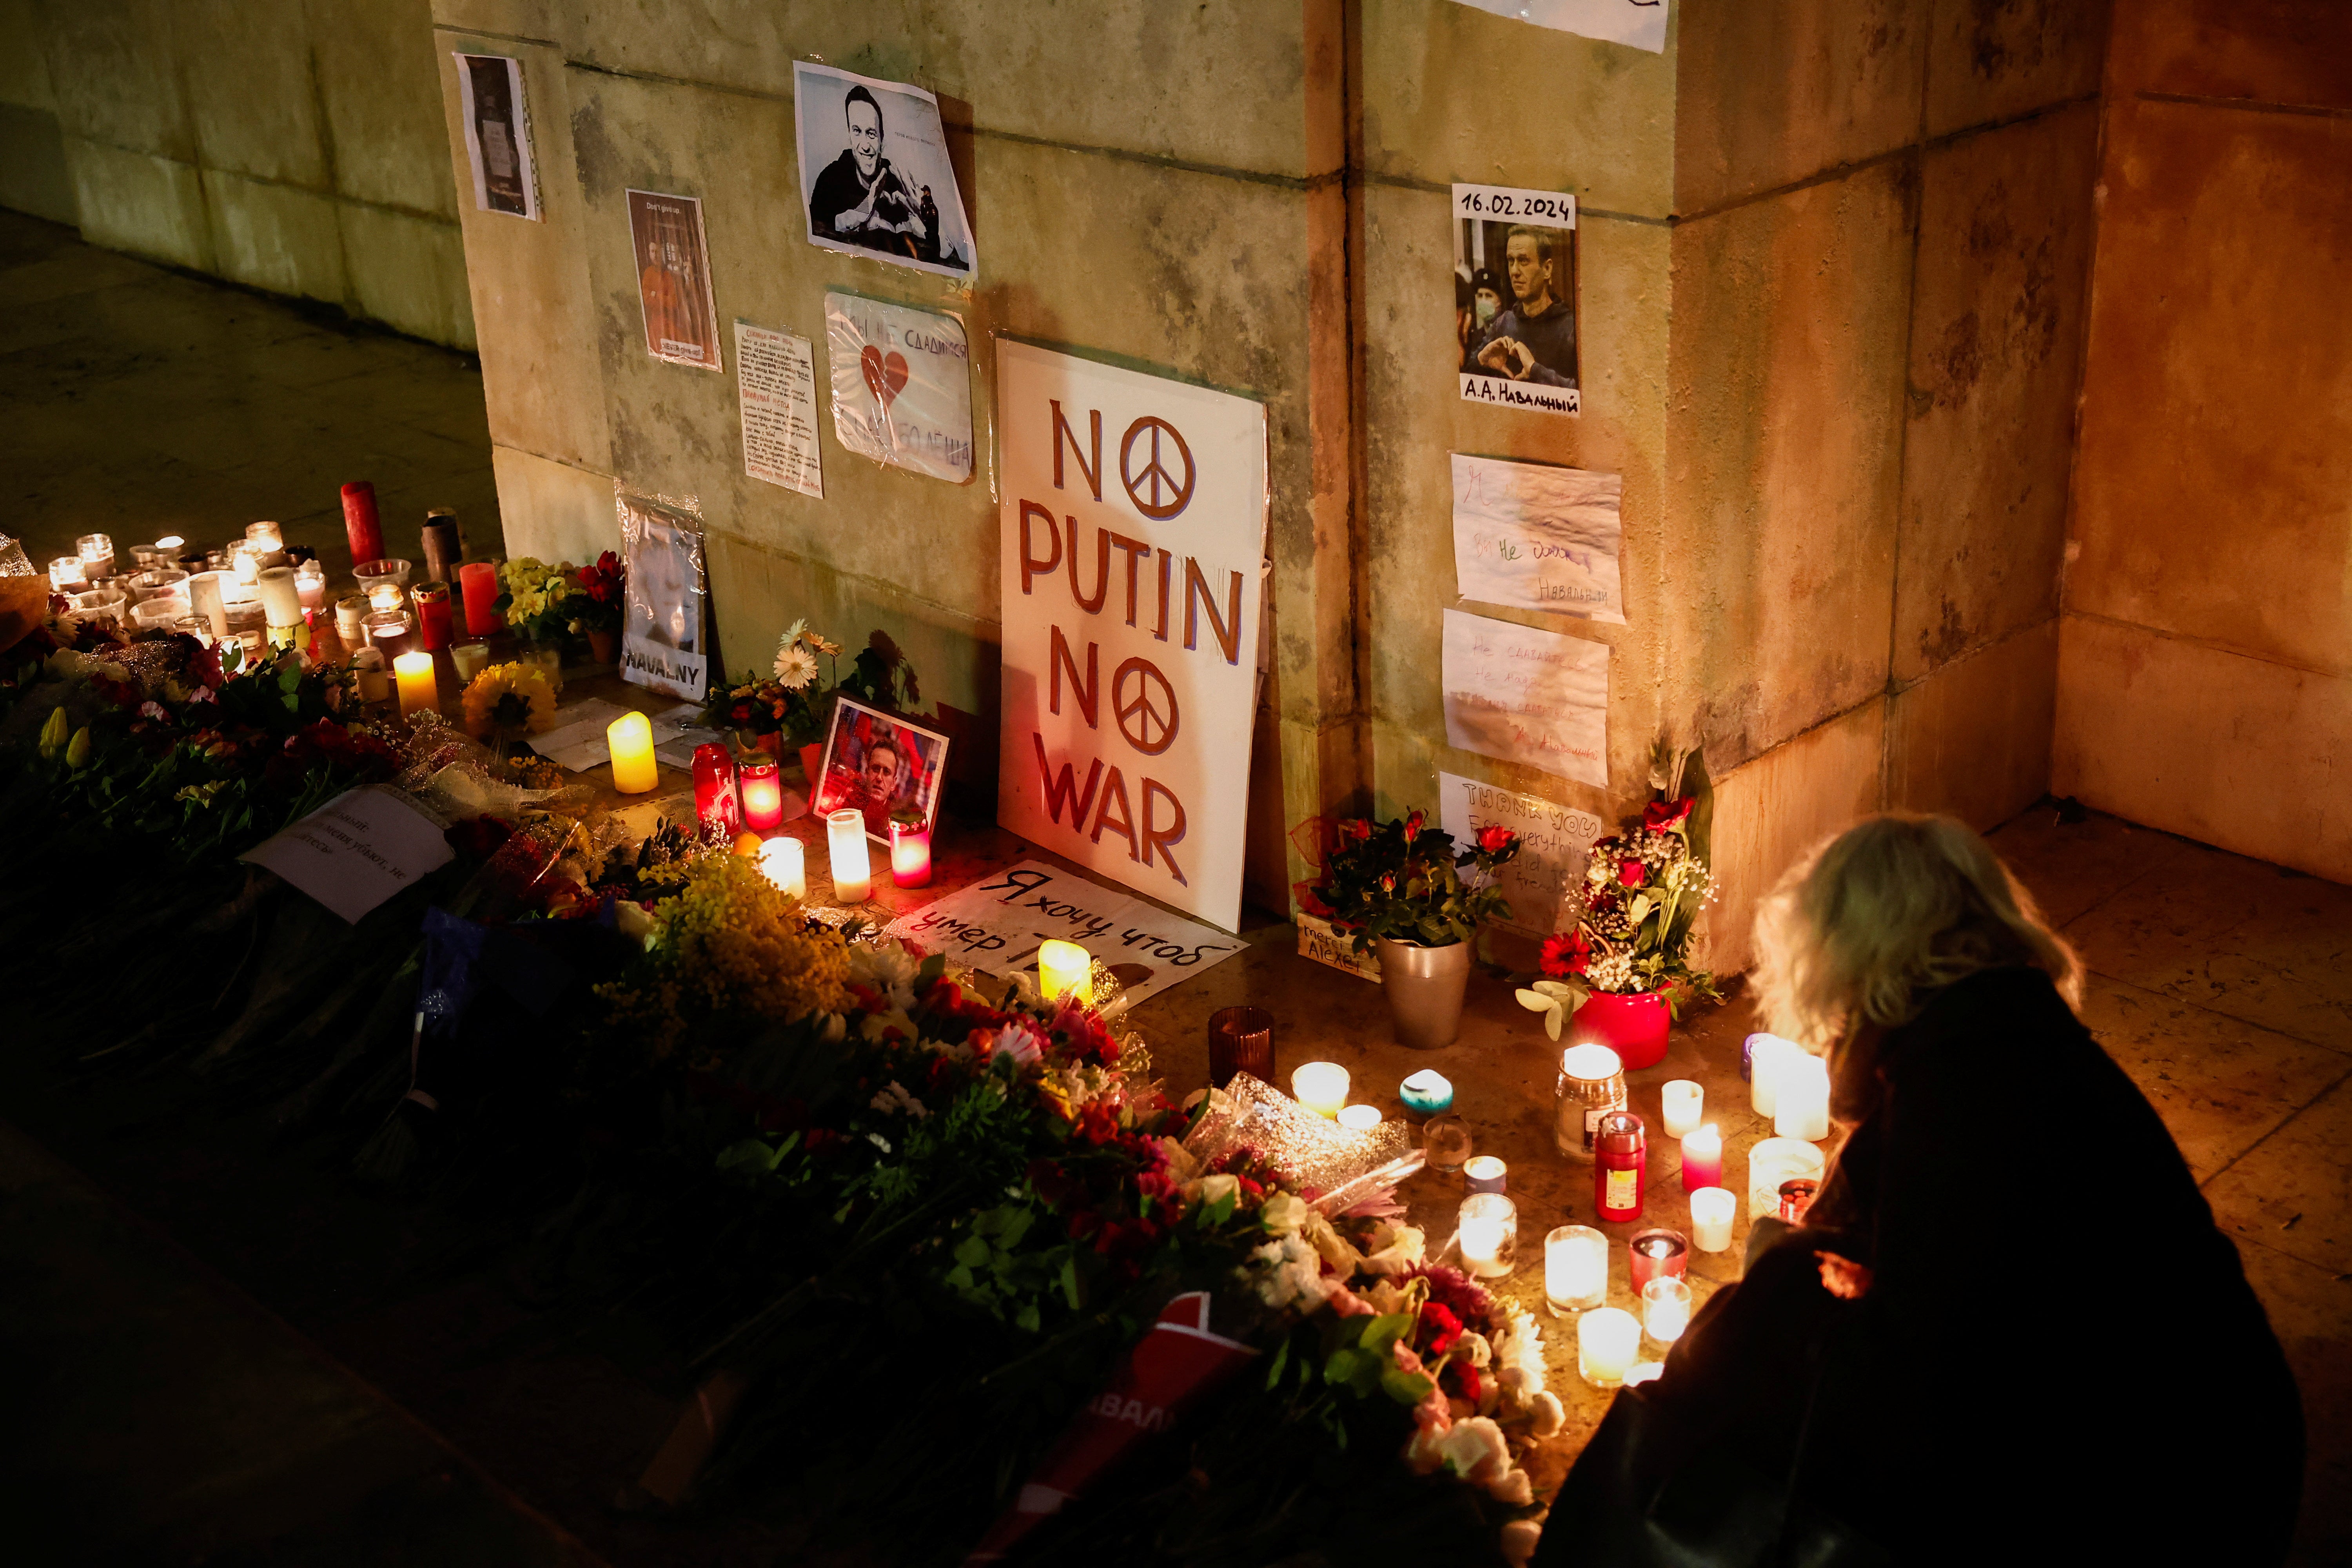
[
  {"x": 1514, "y": 296},
  {"x": 875, "y": 174}
]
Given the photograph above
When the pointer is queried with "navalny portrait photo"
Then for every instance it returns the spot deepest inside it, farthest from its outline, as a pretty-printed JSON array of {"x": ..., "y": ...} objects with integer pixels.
[{"x": 875, "y": 174}]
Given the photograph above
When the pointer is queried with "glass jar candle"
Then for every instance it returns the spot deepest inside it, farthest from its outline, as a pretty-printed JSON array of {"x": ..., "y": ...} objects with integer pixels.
[
  {"x": 1607, "y": 1341},
  {"x": 1772, "y": 1162},
  {"x": 390, "y": 630},
  {"x": 910, "y": 855},
  {"x": 1665, "y": 1308},
  {"x": 1576, "y": 1269},
  {"x": 1591, "y": 1084},
  {"x": 310, "y": 582},
  {"x": 784, "y": 863},
  {"x": 1485, "y": 1174},
  {"x": 1655, "y": 1252},
  {"x": 67, "y": 576},
  {"x": 1713, "y": 1210},
  {"x": 1241, "y": 1040},
  {"x": 1320, "y": 1087},
  {"x": 1488, "y": 1233},
  {"x": 470, "y": 659},
  {"x": 351, "y": 618},
  {"x": 97, "y": 553},
  {"x": 268, "y": 543},
  {"x": 433, "y": 615},
  {"x": 1446, "y": 1143}
]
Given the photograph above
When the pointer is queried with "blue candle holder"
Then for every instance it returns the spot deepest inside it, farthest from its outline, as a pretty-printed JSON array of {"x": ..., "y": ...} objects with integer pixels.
[{"x": 1426, "y": 1093}]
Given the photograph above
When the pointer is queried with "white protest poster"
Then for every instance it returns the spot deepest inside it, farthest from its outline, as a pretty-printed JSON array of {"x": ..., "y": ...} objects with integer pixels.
[
  {"x": 664, "y": 628},
  {"x": 876, "y": 178},
  {"x": 1640, "y": 24},
  {"x": 1134, "y": 527},
  {"x": 1545, "y": 879},
  {"x": 1516, "y": 343},
  {"x": 497, "y": 134},
  {"x": 775, "y": 383},
  {"x": 901, "y": 384},
  {"x": 1538, "y": 538},
  {"x": 998, "y": 923},
  {"x": 1525, "y": 695},
  {"x": 357, "y": 851}
]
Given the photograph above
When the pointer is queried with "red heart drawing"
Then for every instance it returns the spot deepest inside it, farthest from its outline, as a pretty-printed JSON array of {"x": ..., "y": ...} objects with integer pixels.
[{"x": 884, "y": 376}]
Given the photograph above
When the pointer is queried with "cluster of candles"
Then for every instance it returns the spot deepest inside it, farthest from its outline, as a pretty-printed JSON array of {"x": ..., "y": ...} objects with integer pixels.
[{"x": 746, "y": 795}]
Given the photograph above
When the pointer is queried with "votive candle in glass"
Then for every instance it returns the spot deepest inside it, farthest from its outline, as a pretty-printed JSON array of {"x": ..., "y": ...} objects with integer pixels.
[
  {"x": 1607, "y": 1341},
  {"x": 1591, "y": 1084},
  {"x": 1712, "y": 1211},
  {"x": 351, "y": 614},
  {"x": 910, "y": 855},
  {"x": 763, "y": 794},
  {"x": 1620, "y": 1166},
  {"x": 1576, "y": 1269},
  {"x": 1320, "y": 1087},
  {"x": 1665, "y": 1308},
  {"x": 1360, "y": 1118},
  {"x": 718, "y": 809},
  {"x": 853, "y": 868},
  {"x": 1702, "y": 1158},
  {"x": 784, "y": 863},
  {"x": 469, "y": 658},
  {"x": 1654, "y": 1252},
  {"x": 630, "y": 739},
  {"x": 310, "y": 584},
  {"x": 1490, "y": 1234},
  {"x": 375, "y": 685},
  {"x": 245, "y": 564},
  {"x": 1446, "y": 1143},
  {"x": 434, "y": 616},
  {"x": 1241, "y": 1040},
  {"x": 67, "y": 576},
  {"x": 478, "y": 582},
  {"x": 1485, "y": 1174},
  {"x": 1066, "y": 966},
  {"x": 1800, "y": 1100},
  {"x": 97, "y": 553},
  {"x": 1682, "y": 1101},
  {"x": 1773, "y": 1160},
  {"x": 1426, "y": 1092},
  {"x": 384, "y": 594},
  {"x": 268, "y": 543},
  {"x": 390, "y": 630},
  {"x": 419, "y": 692}
]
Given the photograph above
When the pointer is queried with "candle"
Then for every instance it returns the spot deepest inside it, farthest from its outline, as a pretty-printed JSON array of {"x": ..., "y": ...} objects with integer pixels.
[
  {"x": 1426, "y": 1092},
  {"x": 351, "y": 613},
  {"x": 478, "y": 581},
  {"x": 268, "y": 543},
  {"x": 1772, "y": 1162},
  {"x": 1657, "y": 1252},
  {"x": 1241, "y": 1040},
  {"x": 1797, "y": 1196},
  {"x": 1800, "y": 1100},
  {"x": 1607, "y": 1340},
  {"x": 384, "y": 595},
  {"x": 97, "y": 553},
  {"x": 1576, "y": 1269},
  {"x": 1360, "y": 1118},
  {"x": 1483, "y": 1174},
  {"x": 853, "y": 868},
  {"x": 763, "y": 793},
  {"x": 910, "y": 855},
  {"x": 1682, "y": 1101},
  {"x": 374, "y": 686},
  {"x": 419, "y": 692},
  {"x": 1702, "y": 1159},
  {"x": 631, "y": 739},
  {"x": 1712, "y": 1211},
  {"x": 66, "y": 575},
  {"x": 360, "y": 525},
  {"x": 1066, "y": 966},
  {"x": 246, "y": 565},
  {"x": 1591, "y": 1084},
  {"x": 1446, "y": 1143},
  {"x": 389, "y": 630},
  {"x": 1665, "y": 1308},
  {"x": 1643, "y": 1371},
  {"x": 441, "y": 545},
  {"x": 1764, "y": 1054},
  {"x": 716, "y": 806},
  {"x": 1320, "y": 1087},
  {"x": 433, "y": 615},
  {"x": 471, "y": 657},
  {"x": 1620, "y": 1162},
  {"x": 281, "y": 602},
  {"x": 310, "y": 583},
  {"x": 1488, "y": 1233},
  {"x": 782, "y": 862}
]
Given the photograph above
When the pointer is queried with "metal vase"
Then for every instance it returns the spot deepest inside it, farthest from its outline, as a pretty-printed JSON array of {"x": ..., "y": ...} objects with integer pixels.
[{"x": 1425, "y": 985}]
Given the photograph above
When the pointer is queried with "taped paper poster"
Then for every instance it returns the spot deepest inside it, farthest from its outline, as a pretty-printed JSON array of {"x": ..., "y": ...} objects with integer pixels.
[
  {"x": 1530, "y": 696},
  {"x": 1637, "y": 23},
  {"x": 1536, "y": 537},
  {"x": 775, "y": 384},
  {"x": 664, "y": 628},
  {"x": 1545, "y": 880},
  {"x": 497, "y": 134},
  {"x": 876, "y": 178},
  {"x": 1514, "y": 298},
  {"x": 901, "y": 384},
  {"x": 673, "y": 278}
]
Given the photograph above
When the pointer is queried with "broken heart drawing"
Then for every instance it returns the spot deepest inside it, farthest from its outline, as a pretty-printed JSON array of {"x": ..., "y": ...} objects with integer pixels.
[{"x": 886, "y": 374}]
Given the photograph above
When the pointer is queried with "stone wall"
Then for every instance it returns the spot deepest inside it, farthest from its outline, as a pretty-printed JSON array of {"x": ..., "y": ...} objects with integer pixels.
[
  {"x": 2206, "y": 655},
  {"x": 287, "y": 144}
]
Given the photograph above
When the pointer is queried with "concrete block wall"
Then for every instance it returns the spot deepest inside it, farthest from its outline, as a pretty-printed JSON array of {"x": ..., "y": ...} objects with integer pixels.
[
  {"x": 2205, "y": 666},
  {"x": 292, "y": 145}
]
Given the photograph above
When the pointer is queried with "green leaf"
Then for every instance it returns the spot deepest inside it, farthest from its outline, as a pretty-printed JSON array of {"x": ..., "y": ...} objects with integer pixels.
[
  {"x": 1281, "y": 1360},
  {"x": 973, "y": 1252},
  {"x": 1343, "y": 1365},
  {"x": 1070, "y": 1280},
  {"x": 1382, "y": 1332},
  {"x": 1026, "y": 1320},
  {"x": 1405, "y": 1387}
]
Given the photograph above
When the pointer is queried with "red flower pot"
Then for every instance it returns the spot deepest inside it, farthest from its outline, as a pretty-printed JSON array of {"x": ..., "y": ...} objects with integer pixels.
[
  {"x": 811, "y": 759},
  {"x": 1633, "y": 1026}
]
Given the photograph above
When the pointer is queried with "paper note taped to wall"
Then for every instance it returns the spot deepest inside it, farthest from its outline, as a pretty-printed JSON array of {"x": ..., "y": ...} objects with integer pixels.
[
  {"x": 1525, "y": 695},
  {"x": 1538, "y": 538},
  {"x": 775, "y": 377},
  {"x": 1641, "y": 24},
  {"x": 358, "y": 849},
  {"x": 997, "y": 924},
  {"x": 1545, "y": 880}
]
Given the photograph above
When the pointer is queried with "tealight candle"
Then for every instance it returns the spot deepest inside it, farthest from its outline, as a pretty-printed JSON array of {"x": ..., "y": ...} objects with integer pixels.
[
  {"x": 419, "y": 692},
  {"x": 1488, "y": 1233},
  {"x": 1655, "y": 1252},
  {"x": 1576, "y": 1269},
  {"x": 853, "y": 868},
  {"x": 630, "y": 738},
  {"x": 386, "y": 595},
  {"x": 1800, "y": 1100},
  {"x": 1066, "y": 966},
  {"x": 1772, "y": 1162},
  {"x": 1665, "y": 1308},
  {"x": 97, "y": 553},
  {"x": 1607, "y": 1341},
  {"x": 1320, "y": 1087},
  {"x": 782, "y": 862},
  {"x": 1702, "y": 1158},
  {"x": 1764, "y": 1054},
  {"x": 471, "y": 657},
  {"x": 1712, "y": 1211},
  {"x": 1682, "y": 1101},
  {"x": 910, "y": 855},
  {"x": 1360, "y": 1118},
  {"x": 763, "y": 794},
  {"x": 66, "y": 575},
  {"x": 1483, "y": 1174},
  {"x": 1426, "y": 1092}
]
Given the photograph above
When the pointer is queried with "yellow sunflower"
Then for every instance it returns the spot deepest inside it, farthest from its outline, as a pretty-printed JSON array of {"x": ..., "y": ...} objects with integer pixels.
[{"x": 512, "y": 696}]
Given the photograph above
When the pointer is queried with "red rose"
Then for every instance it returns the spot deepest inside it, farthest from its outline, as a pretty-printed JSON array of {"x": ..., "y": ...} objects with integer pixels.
[
  {"x": 1566, "y": 953},
  {"x": 1493, "y": 838},
  {"x": 1357, "y": 829},
  {"x": 1660, "y": 815},
  {"x": 1413, "y": 826},
  {"x": 1387, "y": 881},
  {"x": 1629, "y": 872}
]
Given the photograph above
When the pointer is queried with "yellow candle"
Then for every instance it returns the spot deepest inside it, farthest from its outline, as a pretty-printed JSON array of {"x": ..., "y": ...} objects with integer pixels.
[
  {"x": 1360, "y": 1118},
  {"x": 1065, "y": 966},
  {"x": 1320, "y": 1087},
  {"x": 783, "y": 863},
  {"x": 853, "y": 868},
  {"x": 419, "y": 692},
  {"x": 631, "y": 738}
]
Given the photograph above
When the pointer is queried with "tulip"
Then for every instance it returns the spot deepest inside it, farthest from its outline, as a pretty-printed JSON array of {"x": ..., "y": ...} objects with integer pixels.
[
  {"x": 77, "y": 749},
  {"x": 53, "y": 734}
]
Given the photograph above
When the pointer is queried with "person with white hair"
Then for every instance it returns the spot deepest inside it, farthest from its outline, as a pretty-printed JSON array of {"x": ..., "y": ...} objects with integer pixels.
[{"x": 2006, "y": 1330}]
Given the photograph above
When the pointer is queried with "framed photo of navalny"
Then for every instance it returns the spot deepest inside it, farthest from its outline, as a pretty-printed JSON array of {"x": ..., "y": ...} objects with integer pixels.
[
  {"x": 1514, "y": 298},
  {"x": 497, "y": 134},
  {"x": 875, "y": 175},
  {"x": 880, "y": 765},
  {"x": 673, "y": 278}
]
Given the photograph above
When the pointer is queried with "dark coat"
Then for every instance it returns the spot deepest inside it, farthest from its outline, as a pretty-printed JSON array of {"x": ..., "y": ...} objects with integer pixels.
[{"x": 2058, "y": 1358}]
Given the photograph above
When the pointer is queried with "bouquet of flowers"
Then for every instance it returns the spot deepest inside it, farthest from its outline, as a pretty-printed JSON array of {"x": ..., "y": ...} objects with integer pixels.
[
  {"x": 1404, "y": 880},
  {"x": 540, "y": 601},
  {"x": 792, "y": 700},
  {"x": 1643, "y": 891},
  {"x": 596, "y": 607},
  {"x": 509, "y": 699}
]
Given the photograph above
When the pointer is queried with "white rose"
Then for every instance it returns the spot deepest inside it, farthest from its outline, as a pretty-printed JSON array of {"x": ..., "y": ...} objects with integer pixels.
[
  {"x": 1284, "y": 1212},
  {"x": 1216, "y": 1189}
]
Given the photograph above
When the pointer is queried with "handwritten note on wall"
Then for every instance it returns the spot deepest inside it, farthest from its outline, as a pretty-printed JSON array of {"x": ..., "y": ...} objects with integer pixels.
[
  {"x": 1543, "y": 880},
  {"x": 1538, "y": 538},
  {"x": 1525, "y": 695}
]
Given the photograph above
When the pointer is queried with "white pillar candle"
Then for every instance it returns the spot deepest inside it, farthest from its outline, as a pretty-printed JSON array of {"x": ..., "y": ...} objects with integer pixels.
[
  {"x": 1065, "y": 966},
  {"x": 1772, "y": 1162},
  {"x": 1763, "y": 1069},
  {"x": 1360, "y": 1118},
  {"x": 1576, "y": 1269},
  {"x": 1712, "y": 1211},
  {"x": 784, "y": 863},
  {"x": 1320, "y": 1087},
  {"x": 1682, "y": 1101},
  {"x": 853, "y": 867},
  {"x": 1488, "y": 1235},
  {"x": 1607, "y": 1340},
  {"x": 1800, "y": 1100},
  {"x": 1665, "y": 1308}
]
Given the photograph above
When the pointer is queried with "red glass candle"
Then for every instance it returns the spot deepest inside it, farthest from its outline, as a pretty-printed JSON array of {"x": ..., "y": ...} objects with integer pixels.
[
  {"x": 715, "y": 803},
  {"x": 910, "y": 855},
  {"x": 1702, "y": 1158},
  {"x": 1653, "y": 1253},
  {"x": 764, "y": 794},
  {"x": 478, "y": 581},
  {"x": 433, "y": 616},
  {"x": 361, "y": 524},
  {"x": 1620, "y": 1164}
]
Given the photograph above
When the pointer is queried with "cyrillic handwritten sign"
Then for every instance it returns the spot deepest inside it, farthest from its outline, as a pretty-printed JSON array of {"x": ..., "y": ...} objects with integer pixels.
[
  {"x": 1546, "y": 880},
  {"x": 1538, "y": 538},
  {"x": 1527, "y": 696},
  {"x": 357, "y": 851}
]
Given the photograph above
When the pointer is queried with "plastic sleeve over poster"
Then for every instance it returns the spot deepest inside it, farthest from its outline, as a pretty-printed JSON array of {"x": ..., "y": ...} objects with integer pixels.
[{"x": 665, "y": 629}]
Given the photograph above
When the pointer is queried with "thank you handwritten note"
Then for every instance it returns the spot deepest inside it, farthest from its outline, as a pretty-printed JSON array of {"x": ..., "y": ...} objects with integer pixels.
[
  {"x": 1543, "y": 880},
  {"x": 1527, "y": 696},
  {"x": 357, "y": 851},
  {"x": 1538, "y": 538}
]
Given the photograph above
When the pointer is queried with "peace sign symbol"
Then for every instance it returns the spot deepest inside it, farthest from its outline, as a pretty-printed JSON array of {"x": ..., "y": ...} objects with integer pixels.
[
  {"x": 1155, "y": 479},
  {"x": 1146, "y": 706}
]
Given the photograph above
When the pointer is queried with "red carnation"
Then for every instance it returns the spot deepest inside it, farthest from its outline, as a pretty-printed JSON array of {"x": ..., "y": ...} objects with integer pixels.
[
  {"x": 1629, "y": 872},
  {"x": 1566, "y": 953},
  {"x": 1440, "y": 1326},
  {"x": 1493, "y": 838},
  {"x": 1660, "y": 816}
]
